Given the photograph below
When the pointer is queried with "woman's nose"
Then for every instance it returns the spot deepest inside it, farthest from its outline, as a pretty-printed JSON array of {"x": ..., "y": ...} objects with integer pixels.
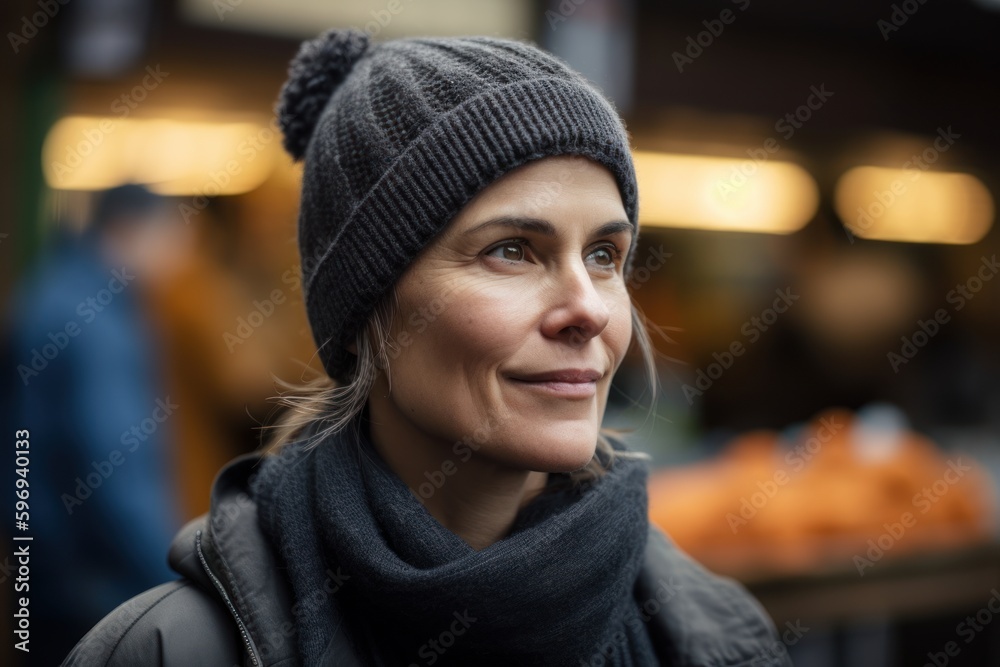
[{"x": 577, "y": 312}]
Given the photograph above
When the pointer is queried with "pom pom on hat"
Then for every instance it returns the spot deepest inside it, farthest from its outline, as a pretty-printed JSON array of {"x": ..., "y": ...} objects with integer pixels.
[{"x": 320, "y": 66}]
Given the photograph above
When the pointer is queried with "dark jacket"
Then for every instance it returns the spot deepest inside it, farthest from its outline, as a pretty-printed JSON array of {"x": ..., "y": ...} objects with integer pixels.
[{"x": 233, "y": 604}]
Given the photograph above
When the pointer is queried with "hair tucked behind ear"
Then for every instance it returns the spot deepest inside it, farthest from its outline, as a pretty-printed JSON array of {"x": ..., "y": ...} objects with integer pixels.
[{"x": 324, "y": 407}]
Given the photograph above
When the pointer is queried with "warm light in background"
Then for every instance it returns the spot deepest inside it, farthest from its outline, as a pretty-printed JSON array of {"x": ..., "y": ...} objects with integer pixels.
[
  {"x": 724, "y": 194},
  {"x": 914, "y": 206},
  {"x": 379, "y": 18},
  {"x": 172, "y": 157}
]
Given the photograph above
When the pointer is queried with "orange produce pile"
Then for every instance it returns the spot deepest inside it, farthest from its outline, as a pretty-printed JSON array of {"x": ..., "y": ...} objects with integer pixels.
[{"x": 842, "y": 495}]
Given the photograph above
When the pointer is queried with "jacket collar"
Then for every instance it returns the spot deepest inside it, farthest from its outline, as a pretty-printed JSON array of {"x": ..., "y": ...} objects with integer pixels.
[{"x": 226, "y": 552}]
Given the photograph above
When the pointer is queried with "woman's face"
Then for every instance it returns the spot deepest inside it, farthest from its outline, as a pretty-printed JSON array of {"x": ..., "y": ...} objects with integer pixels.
[{"x": 513, "y": 321}]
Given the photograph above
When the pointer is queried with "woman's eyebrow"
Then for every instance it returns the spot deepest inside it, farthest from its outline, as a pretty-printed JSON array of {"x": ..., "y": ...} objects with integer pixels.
[
  {"x": 545, "y": 227},
  {"x": 614, "y": 227},
  {"x": 517, "y": 222}
]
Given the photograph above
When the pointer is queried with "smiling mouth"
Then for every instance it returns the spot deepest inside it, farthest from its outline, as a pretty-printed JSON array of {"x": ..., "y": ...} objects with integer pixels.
[{"x": 569, "y": 383}]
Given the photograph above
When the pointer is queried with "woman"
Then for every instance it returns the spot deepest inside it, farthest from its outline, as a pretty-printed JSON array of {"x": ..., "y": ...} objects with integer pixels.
[{"x": 468, "y": 220}]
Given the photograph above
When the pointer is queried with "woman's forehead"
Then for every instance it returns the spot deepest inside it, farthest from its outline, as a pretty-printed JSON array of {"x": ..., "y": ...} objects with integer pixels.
[{"x": 544, "y": 188}]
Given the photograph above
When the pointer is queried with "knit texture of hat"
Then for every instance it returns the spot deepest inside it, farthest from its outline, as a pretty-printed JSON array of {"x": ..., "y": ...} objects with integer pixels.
[{"x": 397, "y": 137}]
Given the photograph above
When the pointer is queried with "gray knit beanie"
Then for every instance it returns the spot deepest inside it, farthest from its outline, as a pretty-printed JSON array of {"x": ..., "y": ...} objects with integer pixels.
[{"x": 397, "y": 137}]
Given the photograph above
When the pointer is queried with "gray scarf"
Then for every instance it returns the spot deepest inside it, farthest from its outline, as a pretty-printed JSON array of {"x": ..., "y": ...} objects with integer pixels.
[{"x": 558, "y": 590}]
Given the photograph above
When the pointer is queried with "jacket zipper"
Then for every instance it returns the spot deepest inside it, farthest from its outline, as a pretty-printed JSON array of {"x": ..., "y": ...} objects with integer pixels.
[{"x": 225, "y": 597}]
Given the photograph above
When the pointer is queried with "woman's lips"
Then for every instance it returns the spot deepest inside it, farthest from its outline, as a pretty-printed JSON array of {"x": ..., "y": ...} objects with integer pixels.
[
  {"x": 560, "y": 389},
  {"x": 565, "y": 383}
]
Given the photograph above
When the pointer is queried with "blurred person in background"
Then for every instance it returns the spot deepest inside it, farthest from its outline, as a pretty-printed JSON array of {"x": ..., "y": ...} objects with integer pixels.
[
  {"x": 85, "y": 382},
  {"x": 219, "y": 385},
  {"x": 445, "y": 494}
]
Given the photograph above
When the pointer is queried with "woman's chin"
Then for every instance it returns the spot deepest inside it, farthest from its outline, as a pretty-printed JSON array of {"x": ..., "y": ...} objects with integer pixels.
[{"x": 560, "y": 447}]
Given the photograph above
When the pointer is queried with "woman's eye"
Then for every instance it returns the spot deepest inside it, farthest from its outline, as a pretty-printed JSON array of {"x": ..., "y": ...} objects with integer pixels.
[
  {"x": 604, "y": 256},
  {"x": 510, "y": 251}
]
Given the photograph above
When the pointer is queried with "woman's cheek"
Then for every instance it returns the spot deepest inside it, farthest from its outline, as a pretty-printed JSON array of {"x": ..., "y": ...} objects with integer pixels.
[{"x": 619, "y": 330}]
